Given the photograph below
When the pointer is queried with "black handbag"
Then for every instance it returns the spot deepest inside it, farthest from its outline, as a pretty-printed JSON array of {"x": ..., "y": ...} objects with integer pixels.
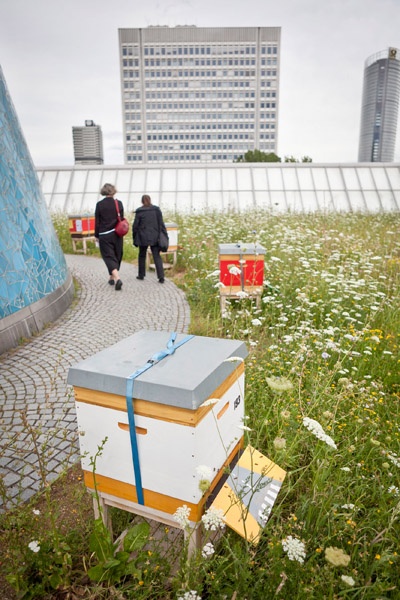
[{"x": 163, "y": 241}]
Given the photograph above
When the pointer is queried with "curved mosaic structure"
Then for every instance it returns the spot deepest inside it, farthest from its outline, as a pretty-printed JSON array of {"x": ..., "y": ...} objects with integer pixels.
[{"x": 35, "y": 285}]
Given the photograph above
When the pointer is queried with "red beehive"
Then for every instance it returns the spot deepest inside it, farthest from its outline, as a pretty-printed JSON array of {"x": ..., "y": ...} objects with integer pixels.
[
  {"x": 241, "y": 268},
  {"x": 81, "y": 225}
]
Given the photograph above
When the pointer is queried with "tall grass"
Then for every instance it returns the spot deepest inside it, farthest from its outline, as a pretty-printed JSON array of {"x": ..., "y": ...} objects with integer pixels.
[{"x": 322, "y": 401}]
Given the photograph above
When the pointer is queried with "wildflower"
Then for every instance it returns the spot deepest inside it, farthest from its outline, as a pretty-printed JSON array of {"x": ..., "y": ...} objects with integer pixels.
[
  {"x": 256, "y": 322},
  {"x": 36, "y": 512},
  {"x": 34, "y": 546},
  {"x": 285, "y": 414},
  {"x": 346, "y": 469},
  {"x": 213, "y": 519},
  {"x": 242, "y": 294},
  {"x": 192, "y": 595},
  {"x": 325, "y": 355},
  {"x": 219, "y": 285},
  {"x": 279, "y": 384},
  {"x": 181, "y": 516},
  {"x": 234, "y": 359},
  {"x": 393, "y": 490},
  {"x": 317, "y": 430},
  {"x": 294, "y": 548},
  {"x": 208, "y": 550},
  {"x": 210, "y": 402},
  {"x": 348, "y": 506},
  {"x": 349, "y": 580},
  {"x": 336, "y": 557},
  {"x": 205, "y": 474},
  {"x": 328, "y": 415},
  {"x": 234, "y": 270},
  {"x": 214, "y": 273},
  {"x": 394, "y": 459},
  {"x": 244, "y": 428},
  {"x": 279, "y": 443}
]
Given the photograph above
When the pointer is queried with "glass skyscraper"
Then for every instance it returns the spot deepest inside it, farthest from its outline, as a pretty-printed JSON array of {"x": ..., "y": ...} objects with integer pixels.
[
  {"x": 199, "y": 94},
  {"x": 380, "y": 106}
]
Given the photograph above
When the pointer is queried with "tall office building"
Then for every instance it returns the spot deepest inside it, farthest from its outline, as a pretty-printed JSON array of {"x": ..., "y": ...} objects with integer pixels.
[
  {"x": 199, "y": 94},
  {"x": 380, "y": 106},
  {"x": 88, "y": 144}
]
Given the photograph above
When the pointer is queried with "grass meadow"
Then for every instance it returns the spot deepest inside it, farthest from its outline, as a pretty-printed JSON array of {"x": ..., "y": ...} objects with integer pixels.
[{"x": 322, "y": 400}]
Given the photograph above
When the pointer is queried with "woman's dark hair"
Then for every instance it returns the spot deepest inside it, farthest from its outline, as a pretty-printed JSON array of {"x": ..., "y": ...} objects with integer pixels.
[
  {"x": 108, "y": 190},
  {"x": 146, "y": 200}
]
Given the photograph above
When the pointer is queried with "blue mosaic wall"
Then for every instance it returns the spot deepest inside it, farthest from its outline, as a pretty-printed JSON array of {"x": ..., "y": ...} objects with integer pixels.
[{"x": 32, "y": 264}]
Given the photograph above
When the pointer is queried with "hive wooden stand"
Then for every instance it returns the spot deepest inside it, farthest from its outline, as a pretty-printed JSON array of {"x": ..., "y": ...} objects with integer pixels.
[
  {"x": 192, "y": 533},
  {"x": 83, "y": 240},
  {"x": 167, "y": 265}
]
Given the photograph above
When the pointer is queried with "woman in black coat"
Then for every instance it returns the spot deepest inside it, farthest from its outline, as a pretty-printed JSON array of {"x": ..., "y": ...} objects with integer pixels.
[
  {"x": 146, "y": 230},
  {"x": 111, "y": 245}
]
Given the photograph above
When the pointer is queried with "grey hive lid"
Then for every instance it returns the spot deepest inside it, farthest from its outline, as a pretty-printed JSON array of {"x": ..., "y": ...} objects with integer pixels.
[
  {"x": 184, "y": 379},
  {"x": 240, "y": 248}
]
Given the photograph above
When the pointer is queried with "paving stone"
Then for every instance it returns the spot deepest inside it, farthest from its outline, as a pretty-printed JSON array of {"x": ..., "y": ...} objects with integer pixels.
[{"x": 33, "y": 377}]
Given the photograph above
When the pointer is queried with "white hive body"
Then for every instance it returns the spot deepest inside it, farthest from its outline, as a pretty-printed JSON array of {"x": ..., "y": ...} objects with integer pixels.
[{"x": 175, "y": 432}]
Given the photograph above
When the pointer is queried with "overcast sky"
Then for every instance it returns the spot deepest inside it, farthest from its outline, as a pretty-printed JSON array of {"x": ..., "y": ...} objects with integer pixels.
[{"x": 60, "y": 60}]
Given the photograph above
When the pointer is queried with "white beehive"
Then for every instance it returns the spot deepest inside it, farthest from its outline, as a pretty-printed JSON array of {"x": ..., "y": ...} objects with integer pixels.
[{"x": 175, "y": 431}]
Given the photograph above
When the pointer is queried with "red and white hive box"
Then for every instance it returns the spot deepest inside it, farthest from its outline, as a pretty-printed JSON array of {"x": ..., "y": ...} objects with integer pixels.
[{"x": 241, "y": 268}]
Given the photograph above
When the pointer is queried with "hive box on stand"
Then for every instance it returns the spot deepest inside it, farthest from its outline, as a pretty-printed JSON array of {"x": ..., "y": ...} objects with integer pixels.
[
  {"x": 172, "y": 230},
  {"x": 177, "y": 430},
  {"x": 241, "y": 270},
  {"x": 81, "y": 225}
]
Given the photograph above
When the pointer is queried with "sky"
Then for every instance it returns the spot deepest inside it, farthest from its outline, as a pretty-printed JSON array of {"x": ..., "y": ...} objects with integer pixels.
[{"x": 60, "y": 60}]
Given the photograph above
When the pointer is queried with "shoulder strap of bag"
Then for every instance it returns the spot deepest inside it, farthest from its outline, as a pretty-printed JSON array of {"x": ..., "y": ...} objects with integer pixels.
[{"x": 117, "y": 208}]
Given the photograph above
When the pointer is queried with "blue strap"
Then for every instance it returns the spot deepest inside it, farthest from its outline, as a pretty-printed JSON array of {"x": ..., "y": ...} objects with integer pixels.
[{"x": 170, "y": 349}]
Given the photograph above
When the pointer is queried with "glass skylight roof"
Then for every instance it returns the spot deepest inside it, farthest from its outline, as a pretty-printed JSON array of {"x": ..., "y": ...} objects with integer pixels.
[{"x": 295, "y": 187}]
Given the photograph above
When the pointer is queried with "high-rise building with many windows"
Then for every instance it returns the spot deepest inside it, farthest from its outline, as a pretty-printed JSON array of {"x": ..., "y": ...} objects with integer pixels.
[
  {"x": 380, "y": 107},
  {"x": 88, "y": 144},
  {"x": 199, "y": 94}
]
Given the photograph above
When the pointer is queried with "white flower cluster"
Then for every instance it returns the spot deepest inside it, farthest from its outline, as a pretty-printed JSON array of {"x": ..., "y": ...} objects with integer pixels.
[
  {"x": 34, "y": 546},
  {"x": 294, "y": 548},
  {"x": 181, "y": 516},
  {"x": 256, "y": 322},
  {"x": 349, "y": 580},
  {"x": 208, "y": 550},
  {"x": 317, "y": 430},
  {"x": 394, "y": 458},
  {"x": 393, "y": 489},
  {"x": 192, "y": 595},
  {"x": 213, "y": 519},
  {"x": 279, "y": 384},
  {"x": 234, "y": 270}
]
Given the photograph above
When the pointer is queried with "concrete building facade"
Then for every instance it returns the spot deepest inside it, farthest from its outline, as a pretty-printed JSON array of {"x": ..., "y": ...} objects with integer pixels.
[
  {"x": 88, "y": 144},
  {"x": 380, "y": 107},
  {"x": 199, "y": 94}
]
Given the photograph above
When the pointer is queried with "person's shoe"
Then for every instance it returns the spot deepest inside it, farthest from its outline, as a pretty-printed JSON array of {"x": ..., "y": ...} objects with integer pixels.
[
  {"x": 118, "y": 285},
  {"x": 111, "y": 281},
  {"x": 161, "y": 280},
  {"x": 138, "y": 277}
]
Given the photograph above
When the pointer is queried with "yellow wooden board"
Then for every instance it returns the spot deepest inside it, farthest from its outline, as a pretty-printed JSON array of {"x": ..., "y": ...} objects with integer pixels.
[{"x": 247, "y": 496}]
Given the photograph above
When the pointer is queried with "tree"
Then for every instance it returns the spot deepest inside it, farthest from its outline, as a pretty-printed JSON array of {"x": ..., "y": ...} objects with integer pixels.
[
  {"x": 292, "y": 159},
  {"x": 258, "y": 156}
]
